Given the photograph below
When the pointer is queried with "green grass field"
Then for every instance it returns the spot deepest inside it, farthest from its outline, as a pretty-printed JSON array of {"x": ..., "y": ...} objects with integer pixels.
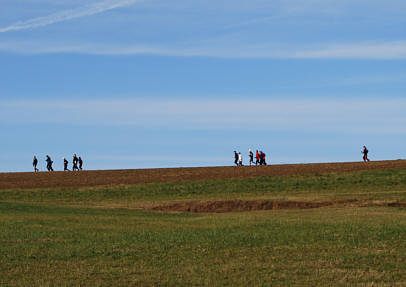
[{"x": 106, "y": 236}]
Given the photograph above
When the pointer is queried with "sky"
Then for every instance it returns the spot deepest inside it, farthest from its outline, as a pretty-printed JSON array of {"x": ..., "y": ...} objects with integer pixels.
[{"x": 153, "y": 83}]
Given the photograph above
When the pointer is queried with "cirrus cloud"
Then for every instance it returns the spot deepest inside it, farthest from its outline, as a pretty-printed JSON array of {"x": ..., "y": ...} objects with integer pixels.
[{"x": 66, "y": 15}]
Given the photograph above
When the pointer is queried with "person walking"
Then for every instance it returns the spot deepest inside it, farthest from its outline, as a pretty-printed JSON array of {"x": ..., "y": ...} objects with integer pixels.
[
  {"x": 235, "y": 158},
  {"x": 365, "y": 152},
  {"x": 80, "y": 163},
  {"x": 251, "y": 155},
  {"x": 49, "y": 163},
  {"x": 257, "y": 158},
  {"x": 239, "y": 159},
  {"x": 35, "y": 163},
  {"x": 263, "y": 158},
  {"x": 65, "y": 164}
]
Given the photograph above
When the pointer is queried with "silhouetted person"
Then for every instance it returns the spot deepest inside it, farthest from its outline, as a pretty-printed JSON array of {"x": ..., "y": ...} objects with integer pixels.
[
  {"x": 251, "y": 155},
  {"x": 75, "y": 163},
  {"x": 35, "y": 163},
  {"x": 262, "y": 160},
  {"x": 80, "y": 163},
  {"x": 365, "y": 152},
  {"x": 235, "y": 158},
  {"x": 49, "y": 163},
  {"x": 65, "y": 164}
]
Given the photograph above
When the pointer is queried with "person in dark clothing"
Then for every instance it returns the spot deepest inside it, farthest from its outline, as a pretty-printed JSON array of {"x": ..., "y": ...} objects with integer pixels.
[
  {"x": 251, "y": 155},
  {"x": 257, "y": 158},
  {"x": 75, "y": 163},
  {"x": 80, "y": 163},
  {"x": 35, "y": 163},
  {"x": 65, "y": 164},
  {"x": 263, "y": 158},
  {"x": 49, "y": 163},
  {"x": 235, "y": 158},
  {"x": 365, "y": 152}
]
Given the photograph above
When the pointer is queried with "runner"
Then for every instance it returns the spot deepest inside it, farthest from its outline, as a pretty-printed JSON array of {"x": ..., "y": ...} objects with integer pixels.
[
  {"x": 365, "y": 152},
  {"x": 239, "y": 159},
  {"x": 235, "y": 158},
  {"x": 75, "y": 163},
  {"x": 34, "y": 164},
  {"x": 65, "y": 164},
  {"x": 257, "y": 158},
  {"x": 251, "y": 155},
  {"x": 80, "y": 163},
  {"x": 49, "y": 163},
  {"x": 261, "y": 157}
]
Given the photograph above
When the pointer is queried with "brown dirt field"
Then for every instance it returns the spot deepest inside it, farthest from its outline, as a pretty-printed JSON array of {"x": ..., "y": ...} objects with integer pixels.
[
  {"x": 136, "y": 176},
  {"x": 222, "y": 206}
]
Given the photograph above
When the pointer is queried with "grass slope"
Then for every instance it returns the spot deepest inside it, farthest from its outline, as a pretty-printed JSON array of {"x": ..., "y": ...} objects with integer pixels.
[{"x": 98, "y": 237}]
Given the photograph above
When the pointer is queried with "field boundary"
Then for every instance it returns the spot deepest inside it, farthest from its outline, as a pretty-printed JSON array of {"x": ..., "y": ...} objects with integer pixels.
[{"x": 26, "y": 180}]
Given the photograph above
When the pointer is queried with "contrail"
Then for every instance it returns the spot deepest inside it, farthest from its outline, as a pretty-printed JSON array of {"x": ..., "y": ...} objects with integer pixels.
[{"x": 68, "y": 15}]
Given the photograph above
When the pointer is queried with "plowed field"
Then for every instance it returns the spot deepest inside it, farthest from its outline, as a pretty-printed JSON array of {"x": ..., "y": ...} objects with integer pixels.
[{"x": 114, "y": 177}]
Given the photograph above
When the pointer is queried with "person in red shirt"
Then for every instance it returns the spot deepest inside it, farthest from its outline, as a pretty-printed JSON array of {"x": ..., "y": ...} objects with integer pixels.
[
  {"x": 80, "y": 163},
  {"x": 257, "y": 157},
  {"x": 75, "y": 163}
]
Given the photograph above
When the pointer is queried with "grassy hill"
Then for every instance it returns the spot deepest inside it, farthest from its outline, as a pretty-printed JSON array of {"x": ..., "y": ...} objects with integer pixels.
[{"x": 310, "y": 225}]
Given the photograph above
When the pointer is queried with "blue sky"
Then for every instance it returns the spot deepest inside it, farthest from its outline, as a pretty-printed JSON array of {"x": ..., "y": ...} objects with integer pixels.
[{"x": 140, "y": 84}]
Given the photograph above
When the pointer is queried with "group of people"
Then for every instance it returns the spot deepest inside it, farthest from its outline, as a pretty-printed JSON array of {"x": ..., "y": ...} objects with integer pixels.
[
  {"x": 260, "y": 158},
  {"x": 77, "y": 163}
]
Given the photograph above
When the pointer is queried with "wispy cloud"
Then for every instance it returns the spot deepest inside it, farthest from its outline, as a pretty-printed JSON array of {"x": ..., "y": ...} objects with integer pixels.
[
  {"x": 66, "y": 15},
  {"x": 376, "y": 50},
  {"x": 388, "y": 50},
  {"x": 377, "y": 116}
]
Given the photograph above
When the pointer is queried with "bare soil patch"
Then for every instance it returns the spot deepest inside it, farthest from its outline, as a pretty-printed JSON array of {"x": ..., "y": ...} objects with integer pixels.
[
  {"x": 220, "y": 206},
  {"x": 224, "y": 206},
  {"x": 136, "y": 176}
]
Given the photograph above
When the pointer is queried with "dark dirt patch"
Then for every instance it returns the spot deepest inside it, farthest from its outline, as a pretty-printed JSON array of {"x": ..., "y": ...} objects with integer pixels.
[
  {"x": 397, "y": 204},
  {"x": 244, "y": 205},
  {"x": 114, "y": 177}
]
